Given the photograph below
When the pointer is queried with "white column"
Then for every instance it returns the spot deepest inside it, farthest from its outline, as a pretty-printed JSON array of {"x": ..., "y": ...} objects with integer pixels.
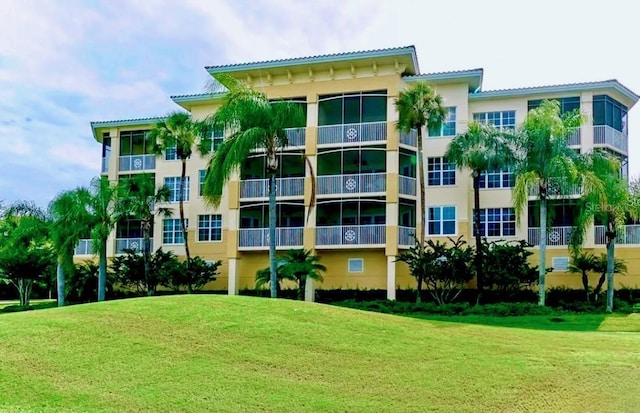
[
  {"x": 309, "y": 291},
  {"x": 391, "y": 277},
  {"x": 233, "y": 276}
]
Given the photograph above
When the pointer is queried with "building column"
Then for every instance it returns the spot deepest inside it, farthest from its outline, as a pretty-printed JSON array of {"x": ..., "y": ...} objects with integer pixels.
[
  {"x": 309, "y": 291},
  {"x": 233, "y": 276},
  {"x": 391, "y": 277}
]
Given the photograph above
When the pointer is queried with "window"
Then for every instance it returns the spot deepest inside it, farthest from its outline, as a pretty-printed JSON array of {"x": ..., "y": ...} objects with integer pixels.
[
  {"x": 448, "y": 127},
  {"x": 355, "y": 265},
  {"x": 202, "y": 173},
  {"x": 441, "y": 220},
  {"x": 217, "y": 136},
  {"x": 172, "y": 231},
  {"x": 497, "y": 222},
  {"x": 134, "y": 143},
  {"x": 440, "y": 172},
  {"x": 498, "y": 178},
  {"x": 609, "y": 112},
  {"x": 353, "y": 108},
  {"x": 501, "y": 120},
  {"x": 566, "y": 104},
  {"x": 171, "y": 154},
  {"x": 209, "y": 227},
  {"x": 173, "y": 183}
]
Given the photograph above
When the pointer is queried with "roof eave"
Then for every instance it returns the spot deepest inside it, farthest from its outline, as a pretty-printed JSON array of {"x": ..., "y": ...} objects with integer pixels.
[
  {"x": 473, "y": 77},
  {"x": 95, "y": 125}
]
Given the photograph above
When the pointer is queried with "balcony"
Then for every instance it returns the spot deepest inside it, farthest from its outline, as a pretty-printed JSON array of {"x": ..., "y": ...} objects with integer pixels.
[
  {"x": 630, "y": 234},
  {"x": 352, "y": 183},
  {"x": 558, "y": 188},
  {"x": 259, "y": 188},
  {"x": 131, "y": 244},
  {"x": 105, "y": 165},
  {"x": 137, "y": 163},
  {"x": 407, "y": 185},
  {"x": 556, "y": 236},
  {"x": 574, "y": 138},
  {"x": 351, "y": 235},
  {"x": 604, "y": 135},
  {"x": 352, "y": 133},
  {"x": 259, "y": 237},
  {"x": 295, "y": 136},
  {"x": 406, "y": 236},
  {"x": 410, "y": 138},
  {"x": 84, "y": 248}
]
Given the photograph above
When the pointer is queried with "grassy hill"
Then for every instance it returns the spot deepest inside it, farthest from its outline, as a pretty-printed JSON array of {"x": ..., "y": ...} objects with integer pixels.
[{"x": 239, "y": 354}]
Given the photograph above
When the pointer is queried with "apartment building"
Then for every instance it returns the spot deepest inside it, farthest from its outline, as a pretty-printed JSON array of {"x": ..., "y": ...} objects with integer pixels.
[{"x": 364, "y": 172}]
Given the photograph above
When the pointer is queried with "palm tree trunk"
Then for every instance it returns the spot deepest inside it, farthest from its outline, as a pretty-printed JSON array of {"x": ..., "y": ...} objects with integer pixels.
[
  {"x": 419, "y": 292},
  {"x": 476, "y": 233},
  {"x": 543, "y": 248},
  {"x": 102, "y": 269},
  {"x": 585, "y": 284},
  {"x": 423, "y": 209},
  {"x": 611, "y": 243},
  {"x": 60, "y": 280},
  {"x": 273, "y": 279},
  {"x": 146, "y": 230},
  {"x": 183, "y": 224}
]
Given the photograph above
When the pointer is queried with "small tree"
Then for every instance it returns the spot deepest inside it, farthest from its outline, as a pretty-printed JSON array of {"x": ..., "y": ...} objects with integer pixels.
[
  {"x": 418, "y": 261},
  {"x": 83, "y": 282},
  {"x": 300, "y": 265},
  {"x": 131, "y": 270},
  {"x": 602, "y": 266},
  {"x": 193, "y": 276},
  {"x": 583, "y": 263},
  {"x": 506, "y": 264}
]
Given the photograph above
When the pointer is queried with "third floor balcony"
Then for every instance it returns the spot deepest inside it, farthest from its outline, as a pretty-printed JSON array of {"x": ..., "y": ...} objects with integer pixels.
[
  {"x": 629, "y": 234},
  {"x": 352, "y": 183},
  {"x": 606, "y": 136},
  {"x": 137, "y": 163},
  {"x": 352, "y": 133},
  {"x": 259, "y": 188}
]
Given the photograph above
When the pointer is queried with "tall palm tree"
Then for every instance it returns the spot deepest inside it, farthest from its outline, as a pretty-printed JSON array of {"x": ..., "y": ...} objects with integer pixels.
[
  {"x": 482, "y": 148},
  {"x": 179, "y": 133},
  {"x": 251, "y": 122},
  {"x": 420, "y": 107},
  {"x": 70, "y": 219},
  {"x": 608, "y": 201},
  {"x": 139, "y": 198},
  {"x": 544, "y": 156}
]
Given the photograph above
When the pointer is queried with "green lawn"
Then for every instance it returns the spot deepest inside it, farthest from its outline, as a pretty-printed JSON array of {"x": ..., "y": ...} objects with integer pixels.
[{"x": 242, "y": 354}]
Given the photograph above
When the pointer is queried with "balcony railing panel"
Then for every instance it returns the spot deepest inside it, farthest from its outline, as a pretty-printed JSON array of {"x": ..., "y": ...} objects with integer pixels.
[
  {"x": 406, "y": 236},
  {"x": 630, "y": 234},
  {"x": 131, "y": 244},
  {"x": 407, "y": 185},
  {"x": 296, "y": 136},
  {"x": 137, "y": 163},
  {"x": 352, "y": 184},
  {"x": 574, "y": 138},
  {"x": 557, "y": 188},
  {"x": 351, "y": 235},
  {"x": 84, "y": 247},
  {"x": 409, "y": 138},
  {"x": 352, "y": 133},
  {"x": 259, "y": 188},
  {"x": 606, "y": 135},
  {"x": 555, "y": 236},
  {"x": 259, "y": 237}
]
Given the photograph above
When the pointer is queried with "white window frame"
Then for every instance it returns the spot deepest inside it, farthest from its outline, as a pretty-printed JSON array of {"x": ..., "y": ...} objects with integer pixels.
[
  {"x": 201, "y": 175},
  {"x": 210, "y": 228},
  {"x": 173, "y": 183},
  {"x": 440, "y": 162},
  {"x": 497, "y": 118},
  {"x": 502, "y": 173},
  {"x": 171, "y": 154},
  {"x": 484, "y": 223},
  {"x": 352, "y": 261},
  {"x": 448, "y": 121},
  {"x": 441, "y": 220},
  {"x": 176, "y": 237},
  {"x": 560, "y": 264}
]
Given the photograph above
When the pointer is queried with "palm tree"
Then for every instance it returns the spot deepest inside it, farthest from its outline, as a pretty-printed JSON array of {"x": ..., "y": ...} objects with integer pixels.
[
  {"x": 139, "y": 199},
  {"x": 252, "y": 122},
  {"x": 611, "y": 202},
  {"x": 583, "y": 263},
  {"x": 602, "y": 267},
  {"x": 544, "y": 157},
  {"x": 179, "y": 133},
  {"x": 420, "y": 107},
  {"x": 482, "y": 148},
  {"x": 300, "y": 265},
  {"x": 70, "y": 219}
]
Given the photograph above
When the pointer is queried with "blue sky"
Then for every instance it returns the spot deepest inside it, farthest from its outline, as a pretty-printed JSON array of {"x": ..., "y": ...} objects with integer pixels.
[{"x": 65, "y": 63}]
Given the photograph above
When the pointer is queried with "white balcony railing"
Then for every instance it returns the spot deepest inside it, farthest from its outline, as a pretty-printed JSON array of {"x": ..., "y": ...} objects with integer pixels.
[
  {"x": 259, "y": 188},
  {"x": 630, "y": 234},
  {"x": 131, "y": 244},
  {"x": 259, "y": 237},
  {"x": 558, "y": 188},
  {"x": 555, "y": 236},
  {"x": 352, "y": 184},
  {"x": 296, "y": 136},
  {"x": 606, "y": 135},
  {"x": 105, "y": 165},
  {"x": 574, "y": 138},
  {"x": 352, "y": 133},
  {"x": 407, "y": 185},
  {"x": 137, "y": 163},
  {"x": 409, "y": 138},
  {"x": 406, "y": 236},
  {"x": 83, "y": 247},
  {"x": 351, "y": 235}
]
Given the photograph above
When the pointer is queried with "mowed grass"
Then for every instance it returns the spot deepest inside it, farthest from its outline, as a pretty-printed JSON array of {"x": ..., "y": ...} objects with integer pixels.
[{"x": 241, "y": 354}]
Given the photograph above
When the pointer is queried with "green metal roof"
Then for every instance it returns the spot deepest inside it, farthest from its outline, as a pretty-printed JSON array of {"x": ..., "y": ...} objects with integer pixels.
[
  {"x": 123, "y": 122},
  {"x": 327, "y": 58}
]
